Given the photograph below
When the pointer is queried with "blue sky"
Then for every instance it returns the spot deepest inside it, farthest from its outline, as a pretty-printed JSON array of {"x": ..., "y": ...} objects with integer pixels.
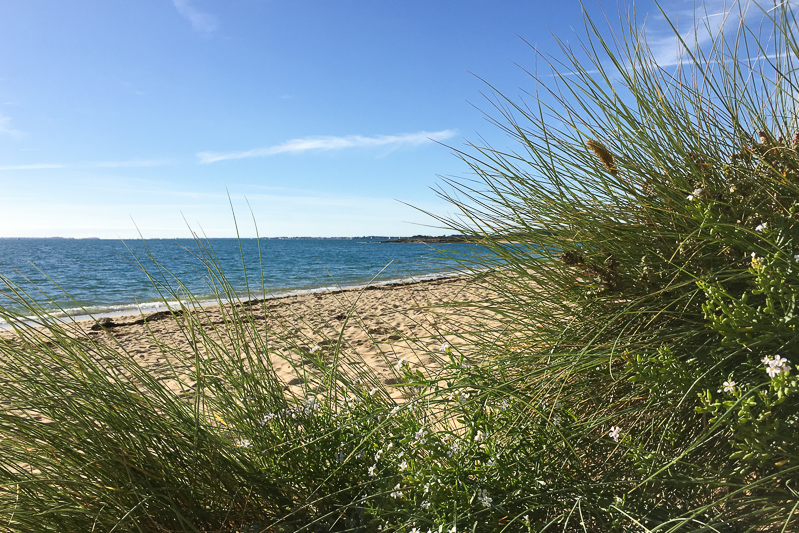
[{"x": 321, "y": 116}]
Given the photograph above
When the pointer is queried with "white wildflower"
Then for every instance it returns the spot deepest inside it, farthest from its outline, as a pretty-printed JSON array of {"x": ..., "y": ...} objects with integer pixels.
[
  {"x": 402, "y": 364},
  {"x": 244, "y": 443},
  {"x": 761, "y": 227},
  {"x": 491, "y": 461},
  {"x": 484, "y": 499},
  {"x": 776, "y": 365},
  {"x": 373, "y": 391},
  {"x": 315, "y": 349},
  {"x": 396, "y": 493},
  {"x": 480, "y": 437},
  {"x": 728, "y": 386},
  {"x": 373, "y": 470},
  {"x": 454, "y": 449},
  {"x": 614, "y": 433},
  {"x": 694, "y": 195},
  {"x": 426, "y": 488},
  {"x": 425, "y": 505},
  {"x": 420, "y": 436},
  {"x": 796, "y": 258},
  {"x": 403, "y": 466},
  {"x": 444, "y": 347}
]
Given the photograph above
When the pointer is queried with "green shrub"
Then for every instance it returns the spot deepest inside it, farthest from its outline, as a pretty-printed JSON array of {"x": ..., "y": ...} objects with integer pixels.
[{"x": 645, "y": 234}]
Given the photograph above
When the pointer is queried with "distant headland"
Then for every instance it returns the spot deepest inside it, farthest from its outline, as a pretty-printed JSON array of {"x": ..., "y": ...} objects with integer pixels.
[{"x": 429, "y": 239}]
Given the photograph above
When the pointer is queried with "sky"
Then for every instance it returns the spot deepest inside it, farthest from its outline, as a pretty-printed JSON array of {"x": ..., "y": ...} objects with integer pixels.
[{"x": 159, "y": 118}]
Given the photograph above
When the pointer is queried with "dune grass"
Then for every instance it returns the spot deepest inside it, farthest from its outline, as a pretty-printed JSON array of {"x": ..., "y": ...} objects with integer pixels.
[{"x": 645, "y": 265}]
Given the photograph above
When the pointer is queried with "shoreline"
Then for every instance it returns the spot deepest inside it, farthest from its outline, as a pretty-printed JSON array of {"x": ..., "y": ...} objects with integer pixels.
[
  {"x": 108, "y": 278},
  {"x": 148, "y": 308},
  {"x": 374, "y": 327}
]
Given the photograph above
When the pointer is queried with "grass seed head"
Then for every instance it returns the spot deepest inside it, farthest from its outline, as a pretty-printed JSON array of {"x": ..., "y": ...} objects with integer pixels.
[{"x": 604, "y": 156}]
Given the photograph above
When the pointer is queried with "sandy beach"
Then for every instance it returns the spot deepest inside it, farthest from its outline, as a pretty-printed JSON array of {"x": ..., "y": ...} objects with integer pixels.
[{"x": 372, "y": 329}]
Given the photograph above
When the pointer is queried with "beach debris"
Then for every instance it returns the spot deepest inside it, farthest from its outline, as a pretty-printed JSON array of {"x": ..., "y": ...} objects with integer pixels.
[{"x": 103, "y": 323}]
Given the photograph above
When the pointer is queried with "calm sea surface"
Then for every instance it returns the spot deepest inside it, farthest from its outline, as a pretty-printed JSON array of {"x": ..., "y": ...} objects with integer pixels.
[{"x": 80, "y": 276}]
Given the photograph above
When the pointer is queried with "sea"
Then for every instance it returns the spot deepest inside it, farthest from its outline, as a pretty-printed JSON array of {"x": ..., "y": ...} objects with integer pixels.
[{"x": 98, "y": 277}]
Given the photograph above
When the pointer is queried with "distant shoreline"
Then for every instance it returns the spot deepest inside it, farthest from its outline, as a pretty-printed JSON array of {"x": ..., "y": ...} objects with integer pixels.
[
  {"x": 380, "y": 238},
  {"x": 444, "y": 239}
]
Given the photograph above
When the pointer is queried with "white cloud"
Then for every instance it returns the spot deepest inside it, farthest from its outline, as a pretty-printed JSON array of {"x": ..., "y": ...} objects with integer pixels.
[
  {"x": 35, "y": 166},
  {"x": 131, "y": 163},
  {"x": 6, "y": 129},
  {"x": 698, "y": 27},
  {"x": 332, "y": 143},
  {"x": 98, "y": 164},
  {"x": 201, "y": 22}
]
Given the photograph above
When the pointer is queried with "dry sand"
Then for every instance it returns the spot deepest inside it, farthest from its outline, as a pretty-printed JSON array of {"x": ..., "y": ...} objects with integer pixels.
[{"x": 374, "y": 327}]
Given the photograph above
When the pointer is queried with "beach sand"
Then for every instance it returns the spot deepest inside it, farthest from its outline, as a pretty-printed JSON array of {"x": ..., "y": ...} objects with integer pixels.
[{"x": 370, "y": 329}]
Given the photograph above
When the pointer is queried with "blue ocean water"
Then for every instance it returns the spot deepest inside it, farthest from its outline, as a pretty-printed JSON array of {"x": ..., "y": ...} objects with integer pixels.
[{"x": 80, "y": 276}]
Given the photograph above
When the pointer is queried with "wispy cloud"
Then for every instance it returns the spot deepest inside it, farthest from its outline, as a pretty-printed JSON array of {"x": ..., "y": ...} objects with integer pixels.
[
  {"x": 130, "y": 163},
  {"x": 96, "y": 164},
  {"x": 35, "y": 166},
  {"x": 332, "y": 143},
  {"x": 6, "y": 128},
  {"x": 698, "y": 27},
  {"x": 201, "y": 22}
]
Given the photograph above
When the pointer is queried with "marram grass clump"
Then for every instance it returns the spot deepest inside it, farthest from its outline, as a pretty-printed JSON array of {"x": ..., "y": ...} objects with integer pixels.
[
  {"x": 650, "y": 281},
  {"x": 640, "y": 378}
]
